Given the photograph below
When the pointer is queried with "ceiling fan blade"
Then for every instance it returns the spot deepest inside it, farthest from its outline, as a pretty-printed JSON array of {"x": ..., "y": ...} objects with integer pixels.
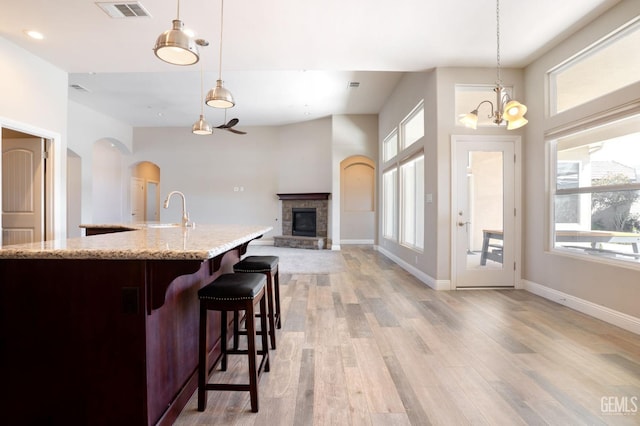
[
  {"x": 232, "y": 122},
  {"x": 239, "y": 132}
]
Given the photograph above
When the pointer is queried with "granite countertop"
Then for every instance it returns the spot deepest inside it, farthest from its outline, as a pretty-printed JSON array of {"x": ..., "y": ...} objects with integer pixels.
[{"x": 144, "y": 241}]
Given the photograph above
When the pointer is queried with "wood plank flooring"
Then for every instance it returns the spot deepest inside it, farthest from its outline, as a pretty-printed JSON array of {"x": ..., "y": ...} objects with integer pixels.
[{"x": 374, "y": 346}]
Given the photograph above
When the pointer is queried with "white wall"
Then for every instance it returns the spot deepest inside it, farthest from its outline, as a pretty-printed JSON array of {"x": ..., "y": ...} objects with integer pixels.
[
  {"x": 609, "y": 286},
  {"x": 33, "y": 101},
  {"x": 86, "y": 129}
]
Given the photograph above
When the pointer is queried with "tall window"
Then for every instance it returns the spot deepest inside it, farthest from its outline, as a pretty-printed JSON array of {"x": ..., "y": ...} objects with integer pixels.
[
  {"x": 597, "y": 191},
  {"x": 412, "y": 127},
  {"x": 403, "y": 182},
  {"x": 390, "y": 146},
  {"x": 611, "y": 64},
  {"x": 412, "y": 203},
  {"x": 389, "y": 201}
]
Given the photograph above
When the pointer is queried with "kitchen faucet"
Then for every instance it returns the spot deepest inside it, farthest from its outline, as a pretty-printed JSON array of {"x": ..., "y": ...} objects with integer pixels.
[{"x": 185, "y": 215}]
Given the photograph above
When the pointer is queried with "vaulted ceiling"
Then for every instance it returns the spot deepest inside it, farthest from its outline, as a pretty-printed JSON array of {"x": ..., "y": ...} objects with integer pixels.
[{"x": 285, "y": 61}]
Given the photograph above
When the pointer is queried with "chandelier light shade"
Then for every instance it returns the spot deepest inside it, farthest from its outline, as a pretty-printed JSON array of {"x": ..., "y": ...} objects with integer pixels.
[
  {"x": 219, "y": 96},
  {"x": 506, "y": 109},
  {"x": 175, "y": 46}
]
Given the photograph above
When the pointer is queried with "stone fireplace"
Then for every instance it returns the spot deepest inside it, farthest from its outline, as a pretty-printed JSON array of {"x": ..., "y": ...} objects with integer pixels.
[{"x": 305, "y": 217}]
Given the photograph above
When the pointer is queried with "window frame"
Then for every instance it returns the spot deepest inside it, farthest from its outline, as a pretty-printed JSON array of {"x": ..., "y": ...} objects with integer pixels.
[{"x": 417, "y": 205}]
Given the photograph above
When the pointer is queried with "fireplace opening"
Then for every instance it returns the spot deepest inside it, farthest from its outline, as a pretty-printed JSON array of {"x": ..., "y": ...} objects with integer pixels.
[{"x": 304, "y": 222}]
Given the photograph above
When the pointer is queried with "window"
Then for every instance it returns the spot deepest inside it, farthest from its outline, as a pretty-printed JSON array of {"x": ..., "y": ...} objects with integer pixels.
[
  {"x": 403, "y": 182},
  {"x": 412, "y": 126},
  {"x": 596, "y": 191},
  {"x": 389, "y": 202},
  {"x": 390, "y": 146},
  {"x": 412, "y": 202},
  {"x": 609, "y": 65}
]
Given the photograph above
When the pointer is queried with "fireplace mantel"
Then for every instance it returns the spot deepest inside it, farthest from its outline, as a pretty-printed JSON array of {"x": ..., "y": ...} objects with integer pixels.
[{"x": 305, "y": 196}]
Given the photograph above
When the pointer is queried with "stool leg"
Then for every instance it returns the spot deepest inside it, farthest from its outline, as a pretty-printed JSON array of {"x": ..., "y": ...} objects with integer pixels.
[
  {"x": 202, "y": 359},
  {"x": 276, "y": 290},
  {"x": 253, "y": 370},
  {"x": 263, "y": 323},
  {"x": 271, "y": 312},
  {"x": 223, "y": 340}
]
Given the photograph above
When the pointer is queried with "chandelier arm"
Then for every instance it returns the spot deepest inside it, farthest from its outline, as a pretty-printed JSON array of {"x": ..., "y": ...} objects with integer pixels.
[{"x": 486, "y": 102}]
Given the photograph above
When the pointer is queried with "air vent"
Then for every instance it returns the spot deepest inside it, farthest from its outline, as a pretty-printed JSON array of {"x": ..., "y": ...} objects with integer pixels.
[
  {"x": 124, "y": 10},
  {"x": 79, "y": 88},
  {"x": 354, "y": 84}
]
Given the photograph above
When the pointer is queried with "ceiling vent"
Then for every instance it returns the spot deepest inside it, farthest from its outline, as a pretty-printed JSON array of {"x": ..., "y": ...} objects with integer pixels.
[
  {"x": 79, "y": 88},
  {"x": 124, "y": 10},
  {"x": 354, "y": 84}
]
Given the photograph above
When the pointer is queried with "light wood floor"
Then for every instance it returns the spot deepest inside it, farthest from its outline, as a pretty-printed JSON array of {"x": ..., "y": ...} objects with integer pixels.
[{"x": 374, "y": 346}]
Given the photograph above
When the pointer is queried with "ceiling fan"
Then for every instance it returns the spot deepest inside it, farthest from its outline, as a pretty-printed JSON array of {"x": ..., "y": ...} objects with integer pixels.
[{"x": 229, "y": 126}]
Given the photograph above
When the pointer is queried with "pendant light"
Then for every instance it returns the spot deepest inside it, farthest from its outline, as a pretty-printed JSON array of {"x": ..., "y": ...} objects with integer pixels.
[
  {"x": 201, "y": 127},
  {"x": 175, "y": 46},
  {"x": 220, "y": 97},
  {"x": 506, "y": 109}
]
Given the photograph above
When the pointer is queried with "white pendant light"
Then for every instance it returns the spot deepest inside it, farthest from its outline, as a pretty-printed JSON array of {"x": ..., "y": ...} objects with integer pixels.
[
  {"x": 506, "y": 109},
  {"x": 219, "y": 96},
  {"x": 175, "y": 46}
]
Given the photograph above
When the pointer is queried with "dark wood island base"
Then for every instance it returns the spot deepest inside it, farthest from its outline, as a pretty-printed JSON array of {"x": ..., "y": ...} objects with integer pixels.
[{"x": 102, "y": 341}]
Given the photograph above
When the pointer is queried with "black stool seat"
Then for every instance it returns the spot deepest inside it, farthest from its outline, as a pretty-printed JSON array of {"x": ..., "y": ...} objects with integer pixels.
[
  {"x": 268, "y": 265},
  {"x": 233, "y": 287},
  {"x": 233, "y": 292},
  {"x": 256, "y": 264}
]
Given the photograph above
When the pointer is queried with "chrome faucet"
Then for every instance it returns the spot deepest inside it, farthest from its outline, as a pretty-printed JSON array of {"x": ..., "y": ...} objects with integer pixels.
[{"x": 185, "y": 214}]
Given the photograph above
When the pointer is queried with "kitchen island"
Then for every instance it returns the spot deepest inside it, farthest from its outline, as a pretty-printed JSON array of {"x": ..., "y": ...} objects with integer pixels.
[{"x": 103, "y": 330}]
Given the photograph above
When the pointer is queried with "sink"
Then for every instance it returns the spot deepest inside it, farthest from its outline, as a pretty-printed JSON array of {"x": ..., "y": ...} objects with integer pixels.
[{"x": 162, "y": 225}]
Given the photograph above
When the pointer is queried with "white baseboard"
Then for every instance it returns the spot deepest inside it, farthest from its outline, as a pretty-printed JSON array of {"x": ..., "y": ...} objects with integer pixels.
[
  {"x": 603, "y": 313},
  {"x": 347, "y": 242},
  {"x": 431, "y": 282}
]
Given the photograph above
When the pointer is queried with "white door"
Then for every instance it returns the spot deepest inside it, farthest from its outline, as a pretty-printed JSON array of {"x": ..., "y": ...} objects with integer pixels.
[
  {"x": 484, "y": 209},
  {"x": 137, "y": 199},
  {"x": 22, "y": 191}
]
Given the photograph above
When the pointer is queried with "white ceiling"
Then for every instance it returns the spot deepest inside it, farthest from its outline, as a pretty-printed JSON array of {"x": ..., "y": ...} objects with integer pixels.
[{"x": 285, "y": 61}]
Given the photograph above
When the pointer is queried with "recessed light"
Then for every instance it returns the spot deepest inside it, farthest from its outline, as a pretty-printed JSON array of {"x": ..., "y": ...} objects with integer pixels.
[{"x": 36, "y": 35}]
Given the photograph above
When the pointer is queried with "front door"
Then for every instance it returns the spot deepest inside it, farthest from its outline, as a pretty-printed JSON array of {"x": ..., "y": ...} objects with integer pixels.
[
  {"x": 484, "y": 209},
  {"x": 22, "y": 191}
]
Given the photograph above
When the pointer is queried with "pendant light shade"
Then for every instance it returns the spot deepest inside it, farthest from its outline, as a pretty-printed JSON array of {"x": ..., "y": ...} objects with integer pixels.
[
  {"x": 219, "y": 97},
  {"x": 470, "y": 120},
  {"x": 175, "y": 46},
  {"x": 201, "y": 127}
]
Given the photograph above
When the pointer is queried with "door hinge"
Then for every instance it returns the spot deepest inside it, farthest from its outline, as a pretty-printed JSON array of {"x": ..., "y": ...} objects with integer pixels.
[
  {"x": 514, "y": 158},
  {"x": 45, "y": 155},
  {"x": 514, "y": 266},
  {"x": 514, "y": 211}
]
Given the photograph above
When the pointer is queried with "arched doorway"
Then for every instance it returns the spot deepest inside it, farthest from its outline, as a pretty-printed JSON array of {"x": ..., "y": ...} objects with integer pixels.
[
  {"x": 145, "y": 192},
  {"x": 357, "y": 203}
]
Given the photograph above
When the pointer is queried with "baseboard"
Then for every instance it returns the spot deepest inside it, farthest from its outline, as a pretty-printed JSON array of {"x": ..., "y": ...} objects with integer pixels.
[
  {"x": 360, "y": 242},
  {"x": 428, "y": 280},
  {"x": 603, "y": 313}
]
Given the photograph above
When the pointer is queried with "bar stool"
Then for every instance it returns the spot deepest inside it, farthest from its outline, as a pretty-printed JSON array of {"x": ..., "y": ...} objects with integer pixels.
[
  {"x": 233, "y": 292},
  {"x": 267, "y": 265}
]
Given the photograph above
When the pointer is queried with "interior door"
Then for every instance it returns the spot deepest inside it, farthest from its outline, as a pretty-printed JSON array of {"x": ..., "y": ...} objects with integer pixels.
[
  {"x": 137, "y": 199},
  {"x": 484, "y": 222},
  {"x": 22, "y": 190}
]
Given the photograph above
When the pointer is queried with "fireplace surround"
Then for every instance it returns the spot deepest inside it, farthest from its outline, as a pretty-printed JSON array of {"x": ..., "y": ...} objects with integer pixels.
[{"x": 305, "y": 203}]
